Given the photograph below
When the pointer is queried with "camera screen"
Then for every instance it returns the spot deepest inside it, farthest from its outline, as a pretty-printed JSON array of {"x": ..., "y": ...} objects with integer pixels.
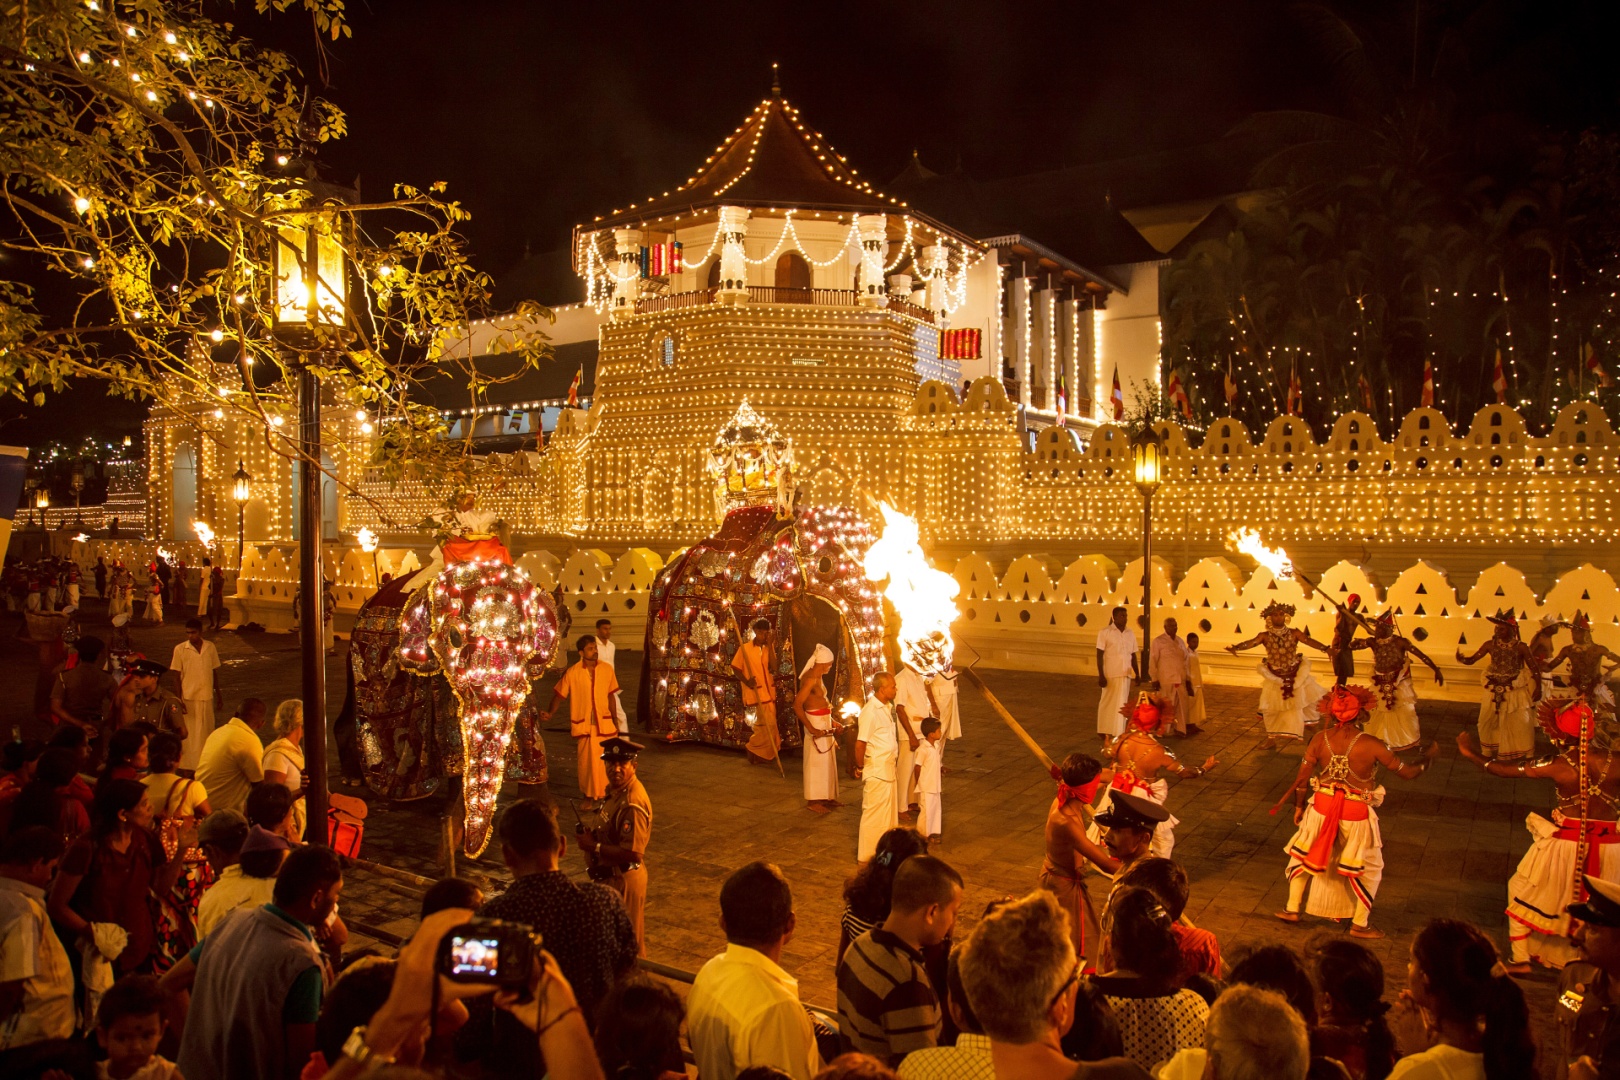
[{"x": 475, "y": 956}]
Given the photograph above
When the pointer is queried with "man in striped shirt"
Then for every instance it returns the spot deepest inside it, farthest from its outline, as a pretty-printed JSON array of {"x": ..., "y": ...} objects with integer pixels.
[{"x": 886, "y": 1005}]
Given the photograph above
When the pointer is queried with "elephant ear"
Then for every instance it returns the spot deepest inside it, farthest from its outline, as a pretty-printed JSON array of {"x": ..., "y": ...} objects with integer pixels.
[{"x": 415, "y": 633}]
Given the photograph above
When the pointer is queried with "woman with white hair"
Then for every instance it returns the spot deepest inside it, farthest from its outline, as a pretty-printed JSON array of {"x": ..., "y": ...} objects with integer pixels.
[
  {"x": 1022, "y": 978},
  {"x": 820, "y": 732},
  {"x": 284, "y": 760}
]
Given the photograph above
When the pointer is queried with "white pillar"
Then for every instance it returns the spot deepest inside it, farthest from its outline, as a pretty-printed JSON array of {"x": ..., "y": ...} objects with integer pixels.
[
  {"x": 627, "y": 245},
  {"x": 874, "y": 231},
  {"x": 1020, "y": 336},
  {"x": 733, "y": 260},
  {"x": 933, "y": 261}
]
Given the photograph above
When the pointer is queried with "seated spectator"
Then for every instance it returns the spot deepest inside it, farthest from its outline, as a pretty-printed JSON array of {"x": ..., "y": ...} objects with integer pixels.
[
  {"x": 232, "y": 758},
  {"x": 1350, "y": 1004},
  {"x": 269, "y": 806},
  {"x": 353, "y": 1000},
  {"x": 113, "y": 875},
  {"x": 46, "y": 800},
  {"x": 638, "y": 1031},
  {"x": 1253, "y": 1034},
  {"x": 970, "y": 1058},
  {"x": 173, "y": 796},
  {"x": 257, "y": 980},
  {"x": 17, "y": 766},
  {"x": 75, "y": 741},
  {"x": 127, "y": 755},
  {"x": 584, "y": 925},
  {"x": 886, "y": 1005},
  {"x": 1279, "y": 969},
  {"x": 452, "y": 892},
  {"x": 129, "y": 1026},
  {"x": 233, "y": 848},
  {"x": 1165, "y": 879},
  {"x": 1094, "y": 1035},
  {"x": 36, "y": 981},
  {"x": 866, "y": 895},
  {"x": 1141, "y": 962},
  {"x": 1019, "y": 972},
  {"x": 1463, "y": 1007},
  {"x": 762, "y": 1072},
  {"x": 744, "y": 1010},
  {"x": 855, "y": 1067}
]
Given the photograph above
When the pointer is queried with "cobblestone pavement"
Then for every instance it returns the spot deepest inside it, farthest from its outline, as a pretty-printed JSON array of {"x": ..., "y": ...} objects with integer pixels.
[{"x": 1451, "y": 838}]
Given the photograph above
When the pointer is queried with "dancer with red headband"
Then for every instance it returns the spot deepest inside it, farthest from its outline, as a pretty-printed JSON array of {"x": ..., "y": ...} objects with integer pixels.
[
  {"x": 1544, "y": 884},
  {"x": 1337, "y": 851},
  {"x": 1138, "y": 759},
  {"x": 1069, "y": 849}
]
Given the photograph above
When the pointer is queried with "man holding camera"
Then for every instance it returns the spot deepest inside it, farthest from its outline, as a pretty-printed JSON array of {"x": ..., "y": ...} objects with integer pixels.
[{"x": 614, "y": 850}]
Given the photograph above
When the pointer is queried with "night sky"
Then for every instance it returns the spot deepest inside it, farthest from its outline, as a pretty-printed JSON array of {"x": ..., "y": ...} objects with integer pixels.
[{"x": 540, "y": 116}]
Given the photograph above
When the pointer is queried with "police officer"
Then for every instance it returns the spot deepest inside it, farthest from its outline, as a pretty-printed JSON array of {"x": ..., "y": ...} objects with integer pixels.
[
  {"x": 1587, "y": 1019},
  {"x": 614, "y": 849}
]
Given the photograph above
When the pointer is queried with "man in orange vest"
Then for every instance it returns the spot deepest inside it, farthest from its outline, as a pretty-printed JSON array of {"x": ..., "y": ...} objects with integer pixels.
[
  {"x": 753, "y": 664},
  {"x": 589, "y": 687}
]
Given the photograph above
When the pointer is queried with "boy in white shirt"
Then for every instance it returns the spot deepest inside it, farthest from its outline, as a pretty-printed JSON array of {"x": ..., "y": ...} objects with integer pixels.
[{"x": 925, "y": 780}]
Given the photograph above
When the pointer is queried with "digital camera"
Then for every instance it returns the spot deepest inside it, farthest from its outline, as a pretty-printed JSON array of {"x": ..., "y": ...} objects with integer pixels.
[{"x": 489, "y": 951}]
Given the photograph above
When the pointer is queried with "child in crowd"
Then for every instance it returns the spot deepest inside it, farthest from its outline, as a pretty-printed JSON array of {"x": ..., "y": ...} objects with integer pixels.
[
  {"x": 1195, "y": 708},
  {"x": 129, "y": 1025},
  {"x": 926, "y": 780}
]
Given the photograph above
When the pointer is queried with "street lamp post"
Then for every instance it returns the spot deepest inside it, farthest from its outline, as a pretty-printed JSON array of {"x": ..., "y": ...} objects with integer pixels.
[
  {"x": 42, "y": 499},
  {"x": 1147, "y": 469},
  {"x": 310, "y": 316},
  {"x": 241, "y": 491}
]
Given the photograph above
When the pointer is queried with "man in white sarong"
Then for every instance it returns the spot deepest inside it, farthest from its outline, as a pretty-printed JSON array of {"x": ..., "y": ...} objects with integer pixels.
[
  {"x": 1544, "y": 883},
  {"x": 1337, "y": 851},
  {"x": 877, "y": 749},
  {"x": 605, "y": 653},
  {"x": 1288, "y": 694},
  {"x": 821, "y": 730},
  {"x": 1394, "y": 717},
  {"x": 911, "y": 708},
  {"x": 1168, "y": 667},
  {"x": 1116, "y": 670},
  {"x": 1506, "y": 731},
  {"x": 196, "y": 661},
  {"x": 942, "y": 690}
]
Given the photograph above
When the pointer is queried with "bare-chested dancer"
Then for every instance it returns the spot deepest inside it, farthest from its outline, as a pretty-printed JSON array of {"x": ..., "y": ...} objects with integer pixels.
[
  {"x": 1288, "y": 694},
  {"x": 1137, "y": 760},
  {"x": 1394, "y": 717},
  {"x": 1506, "y": 731},
  {"x": 1586, "y": 672},
  {"x": 1069, "y": 849},
  {"x": 1544, "y": 884},
  {"x": 1337, "y": 851}
]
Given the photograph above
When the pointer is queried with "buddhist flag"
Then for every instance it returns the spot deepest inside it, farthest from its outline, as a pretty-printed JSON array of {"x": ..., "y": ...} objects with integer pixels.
[
  {"x": 573, "y": 388},
  {"x": 1499, "y": 380},
  {"x": 1366, "y": 394},
  {"x": 1231, "y": 388},
  {"x": 1595, "y": 369},
  {"x": 1178, "y": 395},
  {"x": 1295, "y": 393},
  {"x": 1063, "y": 399},
  {"x": 1117, "y": 397},
  {"x": 1427, "y": 400}
]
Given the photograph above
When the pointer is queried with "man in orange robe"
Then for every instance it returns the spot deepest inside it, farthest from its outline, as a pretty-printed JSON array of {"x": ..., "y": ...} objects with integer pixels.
[{"x": 589, "y": 687}]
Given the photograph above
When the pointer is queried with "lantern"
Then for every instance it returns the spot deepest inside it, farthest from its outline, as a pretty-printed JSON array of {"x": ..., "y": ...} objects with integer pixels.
[
  {"x": 240, "y": 489},
  {"x": 311, "y": 271},
  {"x": 1147, "y": 460}
]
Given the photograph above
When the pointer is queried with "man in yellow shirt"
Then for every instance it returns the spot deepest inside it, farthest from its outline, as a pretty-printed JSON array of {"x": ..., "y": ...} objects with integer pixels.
[
  {"x": 753, "y": 664},
  {"x": 589, "y": 687}
]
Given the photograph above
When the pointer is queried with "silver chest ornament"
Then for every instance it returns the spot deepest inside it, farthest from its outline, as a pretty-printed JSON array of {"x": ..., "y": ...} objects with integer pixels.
[{"x": 705, "y": 632}]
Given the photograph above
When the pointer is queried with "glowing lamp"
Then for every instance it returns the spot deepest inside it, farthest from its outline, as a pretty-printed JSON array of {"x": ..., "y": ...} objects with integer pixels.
[
  {"x": 42, "y": 498},
  {"x": 241, "y": 482},
  {"x": 1147, "y": 460}
]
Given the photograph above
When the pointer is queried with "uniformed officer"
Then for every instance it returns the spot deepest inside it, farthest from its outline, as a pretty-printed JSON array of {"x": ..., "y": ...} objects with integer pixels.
[
  {"x": 1588, "y": 1022},
  {"x": 141, "y": 699},
  {"x": 615, "y": 848}
]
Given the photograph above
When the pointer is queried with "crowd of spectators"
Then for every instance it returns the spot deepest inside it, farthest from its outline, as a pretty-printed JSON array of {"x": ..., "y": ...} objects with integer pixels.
[{"x": 168, "y": 936}]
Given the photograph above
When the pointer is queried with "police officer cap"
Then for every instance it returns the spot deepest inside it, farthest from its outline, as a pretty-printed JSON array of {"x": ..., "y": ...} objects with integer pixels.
[
  {"x": 620, "y": 748},
  {"x": 147, "y": 667},
  {"x": 1131, "y": 812},
  {"x": 1602, "y": 904}
]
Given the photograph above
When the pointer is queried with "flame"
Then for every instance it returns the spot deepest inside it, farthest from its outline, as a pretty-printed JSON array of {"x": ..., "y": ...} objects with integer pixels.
[
  {"x": 367, "y": 540},
  {"x": 850, "y": 710},
  {"x": 925, "y": 598},
  {"x": 82, "y": 538},
  {"x": 1276, "y": 560},
  {"x": 163, "y": 553},
  {"x": 204, "y": 531}
]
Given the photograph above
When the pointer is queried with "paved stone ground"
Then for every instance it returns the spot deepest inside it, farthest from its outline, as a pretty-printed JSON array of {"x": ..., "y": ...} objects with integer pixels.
[{"x": 1451, "y": 837}]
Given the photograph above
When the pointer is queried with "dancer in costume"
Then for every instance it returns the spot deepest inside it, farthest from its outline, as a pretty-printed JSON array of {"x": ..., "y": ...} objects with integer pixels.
[
  {"x": 1337, "y": 851},
  {"x": 1541, "y": 647},
  {"x": 1394, "y": 717},
  {"x": 1069, "y": 849},
  {"x": 1544, "y": 884},
  {"x": 1505, "y": 731},
  {"x": 1586, "y": 673},
  {"x": 1137, "y": 759},
  {"x": 1288, "y": 694},
  {"x": 1344, "y": 632},
  {"x": 820, "y": 732}
]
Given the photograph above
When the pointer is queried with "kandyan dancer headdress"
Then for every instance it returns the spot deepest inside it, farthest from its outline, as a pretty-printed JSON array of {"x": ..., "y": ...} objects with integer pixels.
[
  {"x": 1345, "y": 703},
  {"x": 1277, "y": 608}
]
